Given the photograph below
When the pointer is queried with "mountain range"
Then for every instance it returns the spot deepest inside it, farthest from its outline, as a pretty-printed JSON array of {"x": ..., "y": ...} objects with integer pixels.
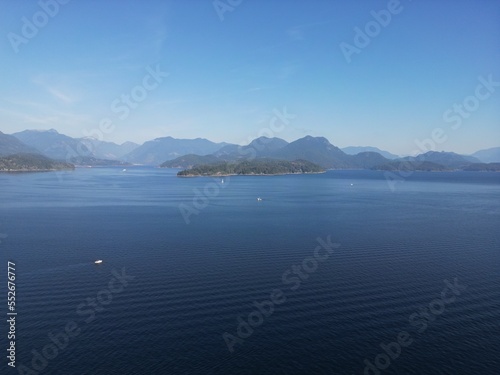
[
  {"x": 161, "y": 149},
  {"x": 10, "y": 145},
  {"x": 353, "y": 150},
  {"x": 320, "y": 151},
  {"x": 31, "y": 163},
  {"x": 58, "y": 146},
  {"x": 185, "y": 153},
  {"x": 490, "y": 155}
]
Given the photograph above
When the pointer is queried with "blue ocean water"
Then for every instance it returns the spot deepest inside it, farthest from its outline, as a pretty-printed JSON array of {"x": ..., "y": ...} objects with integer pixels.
[{"x": 189, "y": 284}]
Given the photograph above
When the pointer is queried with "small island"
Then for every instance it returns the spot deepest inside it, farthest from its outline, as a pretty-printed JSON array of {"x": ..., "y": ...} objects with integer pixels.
[
  {"x": 89, "y": 161},
  {"x": 258, "y": 167},
  {"x": 31, "y": 163}
]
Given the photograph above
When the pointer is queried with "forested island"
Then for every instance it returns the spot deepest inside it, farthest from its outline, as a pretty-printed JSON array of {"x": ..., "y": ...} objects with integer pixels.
[
  {"x": 252, "y": 168},
  {"x": 31, "y": 163},
  {"x": 95, "y": 162}
]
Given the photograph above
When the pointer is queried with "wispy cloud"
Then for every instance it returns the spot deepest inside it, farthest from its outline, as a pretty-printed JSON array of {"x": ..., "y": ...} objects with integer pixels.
[
  {"x": 29, "y": 119},
  {"x": 152, "y": 43},
  {"x": 159, "y": 37},
  {"x": 48, "y": 118},
  {"x": 60, "y": 95},
  {"x": 288, "y": 70},
  {"x": 55, "y": 89},
  {"x": 298, "y": 32}
]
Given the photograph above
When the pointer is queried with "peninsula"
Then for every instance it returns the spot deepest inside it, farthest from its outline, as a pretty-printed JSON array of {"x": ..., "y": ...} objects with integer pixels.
[{"x": 31, "y": 163}]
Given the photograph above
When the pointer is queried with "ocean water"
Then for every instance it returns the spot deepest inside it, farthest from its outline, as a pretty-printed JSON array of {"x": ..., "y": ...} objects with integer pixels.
[{"x": 190, "y": 286}]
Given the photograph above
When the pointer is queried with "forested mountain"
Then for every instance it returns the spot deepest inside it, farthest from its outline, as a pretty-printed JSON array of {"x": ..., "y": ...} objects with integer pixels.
[
  {"x": 31, "y": 163},
  {"x": 10, "y": 145}
]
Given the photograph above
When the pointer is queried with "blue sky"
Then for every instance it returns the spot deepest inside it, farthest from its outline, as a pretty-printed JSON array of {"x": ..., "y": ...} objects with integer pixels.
[{"x": 226, "y": 78}]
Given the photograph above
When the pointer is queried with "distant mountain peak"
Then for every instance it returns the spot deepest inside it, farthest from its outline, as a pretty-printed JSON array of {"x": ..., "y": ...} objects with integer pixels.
[
  {"x": 440, "y": 153},
  {"x": 263, "y": 140},
  {"x": 52, "y": 130},
  {"x": 310, "y": 138},
  {"x": 167, "y": 148},
  {"x": 444, "y": 158},
  {"x": 354, "y": 150},
  {"x": 490, "y": 155}
]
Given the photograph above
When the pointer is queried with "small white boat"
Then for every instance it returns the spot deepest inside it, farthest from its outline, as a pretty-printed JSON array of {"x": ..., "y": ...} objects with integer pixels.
[
  {"x": 222, "y": 181},
  {"x": 98, "y": 261},
  {"x": 259, "y": 199},
  {"x": 124, "y": 170}
]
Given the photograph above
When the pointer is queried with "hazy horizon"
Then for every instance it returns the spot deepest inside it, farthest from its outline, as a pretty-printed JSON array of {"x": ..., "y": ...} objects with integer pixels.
[
  {"x": 429, "y": 70},
  {"x": 248, "y": 142}
]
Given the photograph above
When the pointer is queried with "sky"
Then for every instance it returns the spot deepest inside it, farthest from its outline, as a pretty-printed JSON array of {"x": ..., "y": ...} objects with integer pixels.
[{"x": 405, "y": 76}]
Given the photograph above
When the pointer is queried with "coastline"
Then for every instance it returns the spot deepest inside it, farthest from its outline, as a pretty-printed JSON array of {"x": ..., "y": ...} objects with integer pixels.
[
  {"x": 247, "y": 174},
  {"x": 33, "y": 170}
]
